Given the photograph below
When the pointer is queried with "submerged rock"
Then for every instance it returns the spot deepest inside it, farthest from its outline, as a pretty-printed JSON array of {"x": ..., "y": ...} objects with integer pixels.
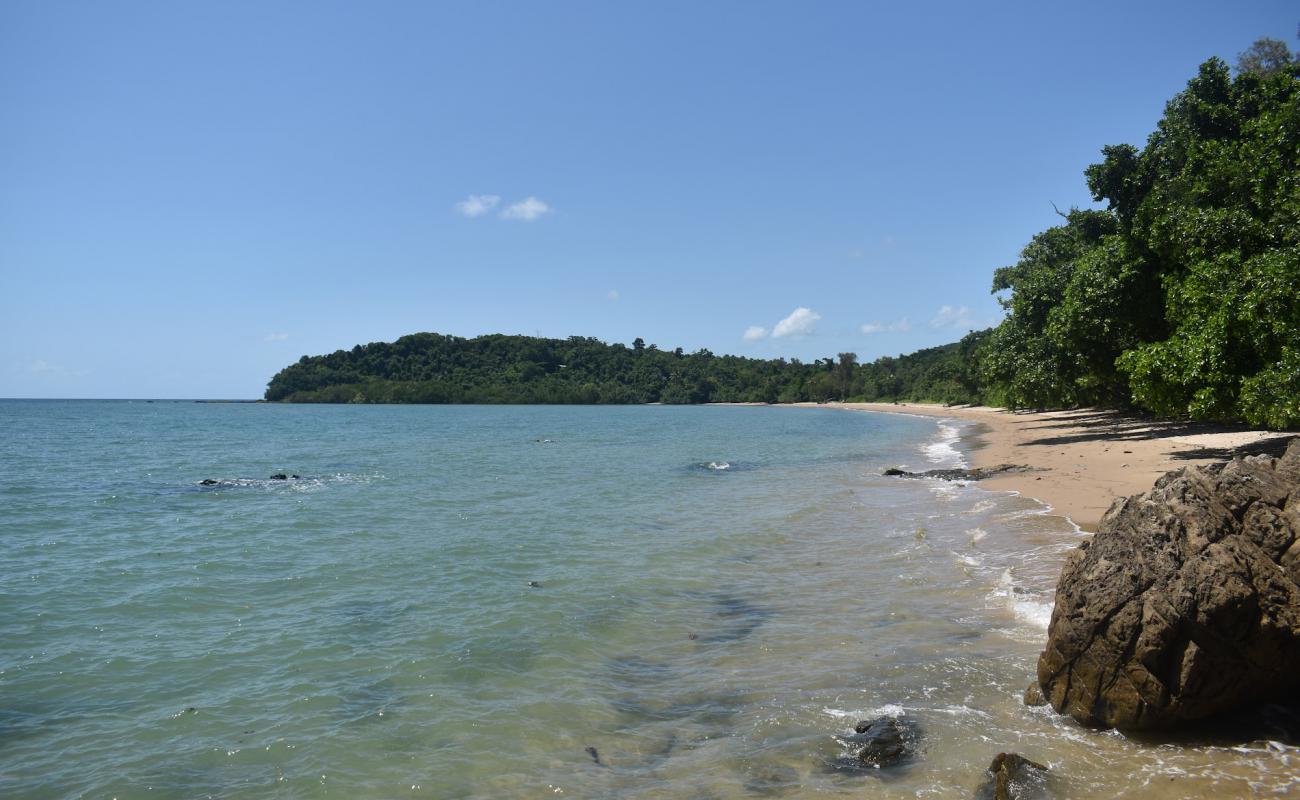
[
  {"x": 1034, "y": 696},
  {"x": 972, "y": 474},
  {"x": 1011, "y": 776},
  {"x": 208, "y": 482},
  {"x": 882, "y": 742},
  {"x": 1186, "y": 603}
]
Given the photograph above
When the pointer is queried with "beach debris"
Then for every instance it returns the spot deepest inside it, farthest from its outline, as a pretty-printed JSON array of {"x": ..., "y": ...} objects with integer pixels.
[
  {"x": 595, "y": 754},
  {"x": 1011, "y": 776},
  {"x": 882, "y": 742},
  {"x": 1185, "y": 603},
  {"x": 973, "y": 474}
]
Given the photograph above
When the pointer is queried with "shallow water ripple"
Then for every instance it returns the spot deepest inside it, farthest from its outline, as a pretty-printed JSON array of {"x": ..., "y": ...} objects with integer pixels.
[{"x": 525, "y": 602}]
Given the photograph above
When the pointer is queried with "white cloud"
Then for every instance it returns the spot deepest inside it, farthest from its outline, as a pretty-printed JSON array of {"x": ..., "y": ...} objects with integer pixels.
[
  {"x": 611, "y": 295},
  {"x": 949, "y": 317},
  {"x": 476, "y": 205},
  {"x": 754, "y": 332},
  {"x": 528, "y": 209},
  {"x": 41, "y": 367},
  {"x": 897, "y": 326},
  {"x": 275, "y": 337},
  {"x": 799, "y": 323}
]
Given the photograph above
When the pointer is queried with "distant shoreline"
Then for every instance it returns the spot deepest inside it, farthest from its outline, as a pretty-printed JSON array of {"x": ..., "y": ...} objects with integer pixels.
[{"x": 1084, "y": 458}]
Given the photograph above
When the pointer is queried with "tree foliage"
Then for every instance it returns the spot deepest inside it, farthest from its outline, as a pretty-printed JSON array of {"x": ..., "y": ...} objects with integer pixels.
[
  {"x": 1265, "y": 57},
  {"x": 1183, "y": 296},
  {"x": 433, "y": 368}
]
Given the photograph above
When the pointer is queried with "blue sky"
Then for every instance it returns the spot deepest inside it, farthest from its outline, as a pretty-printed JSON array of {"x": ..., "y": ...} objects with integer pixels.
[{"x": 196, "y": 194}]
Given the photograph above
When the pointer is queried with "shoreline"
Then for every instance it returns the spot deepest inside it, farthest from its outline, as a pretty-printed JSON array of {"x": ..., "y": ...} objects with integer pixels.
[{"x": 1083, "y": 459}]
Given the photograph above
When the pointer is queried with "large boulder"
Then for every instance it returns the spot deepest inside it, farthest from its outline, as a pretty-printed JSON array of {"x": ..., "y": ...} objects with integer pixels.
[{"x": 1186, "y": 603}]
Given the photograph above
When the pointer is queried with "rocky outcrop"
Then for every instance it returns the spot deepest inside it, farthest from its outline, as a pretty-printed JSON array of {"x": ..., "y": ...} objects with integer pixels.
[
  {"x": 974, "y": 474},
  {"x": 1011, "y": 776},
  {"x": 1186, "y": 603},
  {"x": 882, "y": 742}
]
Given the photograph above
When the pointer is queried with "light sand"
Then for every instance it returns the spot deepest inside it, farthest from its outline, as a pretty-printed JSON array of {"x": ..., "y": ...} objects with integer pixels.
[{"x": 1086, "y": 458}]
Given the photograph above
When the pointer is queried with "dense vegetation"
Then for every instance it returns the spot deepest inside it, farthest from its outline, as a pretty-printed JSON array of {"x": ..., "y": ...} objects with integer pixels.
[
  {"x": 1181, "y": 297},
  {"x": 432, "y": 368}
]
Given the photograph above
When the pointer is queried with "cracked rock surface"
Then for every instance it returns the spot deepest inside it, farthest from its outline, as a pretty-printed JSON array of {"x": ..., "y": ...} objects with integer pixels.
[{"x": 1186, "y": 603}]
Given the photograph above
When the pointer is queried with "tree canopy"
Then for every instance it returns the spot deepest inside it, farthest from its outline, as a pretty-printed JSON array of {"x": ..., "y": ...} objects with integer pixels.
[
  {"x": 1183, "y": 296},
  {"x": 433, "y": 368}
]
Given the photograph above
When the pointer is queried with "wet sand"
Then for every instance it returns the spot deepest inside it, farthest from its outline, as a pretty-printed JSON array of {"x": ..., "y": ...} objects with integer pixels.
[{"x": 1087, "y": 458}]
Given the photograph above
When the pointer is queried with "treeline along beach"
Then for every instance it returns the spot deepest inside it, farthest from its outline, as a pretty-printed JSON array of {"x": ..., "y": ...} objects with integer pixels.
[{"x": 1179, "y": 298}]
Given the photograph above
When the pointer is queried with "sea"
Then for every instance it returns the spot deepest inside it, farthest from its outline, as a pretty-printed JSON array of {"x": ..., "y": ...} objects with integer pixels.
[{"x": 529, "y": 602}]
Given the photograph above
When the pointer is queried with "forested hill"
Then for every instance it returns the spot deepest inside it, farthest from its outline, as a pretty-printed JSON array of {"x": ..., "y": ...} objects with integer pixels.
[
  {"x": 433, "y": 368},
  {"x": 1181, "y": 298}
]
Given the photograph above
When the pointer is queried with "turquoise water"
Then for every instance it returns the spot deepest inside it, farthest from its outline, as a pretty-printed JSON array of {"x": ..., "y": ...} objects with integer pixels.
[{"x": 718, "y": 593}]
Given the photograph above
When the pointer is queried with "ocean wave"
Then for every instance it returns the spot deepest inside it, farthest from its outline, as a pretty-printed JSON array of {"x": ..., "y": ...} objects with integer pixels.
[
  {"x": 981, "y": 507},
  {"x": 946, "y": 492},
  {"x": 714, "y": 466},
  {"x": 943, "y": 451},
  {"x": 1027, "y": 608},
  {"x": 887, "y": 710}
]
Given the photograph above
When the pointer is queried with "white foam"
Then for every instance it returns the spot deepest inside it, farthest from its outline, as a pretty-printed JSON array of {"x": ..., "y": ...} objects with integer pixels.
[
  {"x": 962, "y": 711},
  {"x": 1026, "y": 608},
  {"x": 1033, "y": 612},
  {"x": 980, "y": 507},
  {"x": 719, "y": 465},
  {"x": 887, "y": 710},
  {"x": 976, "y": 534},
  {"x": 943, "y": 451}
]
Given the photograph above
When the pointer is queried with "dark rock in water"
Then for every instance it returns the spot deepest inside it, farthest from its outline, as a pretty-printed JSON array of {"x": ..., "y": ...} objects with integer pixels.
[
  {"x": 882, "y": 742},
  {"x": 1034, "y": 696},
  {"x": 973, "y": 474},
  {"x": 1186, "y": 603},
  {"x": 208, "y": 482},
  {"x": 595, "y": 755},
  {"x": 1013, "y": 777},
  {"x": 534, "y": 584},
  {"x": 280, "y": 476}
]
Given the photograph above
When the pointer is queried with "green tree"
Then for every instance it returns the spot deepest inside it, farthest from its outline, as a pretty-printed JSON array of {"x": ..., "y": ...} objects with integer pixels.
[
  {"x": 845, "y": 371},
  {"x": 1265, "y": 57}
]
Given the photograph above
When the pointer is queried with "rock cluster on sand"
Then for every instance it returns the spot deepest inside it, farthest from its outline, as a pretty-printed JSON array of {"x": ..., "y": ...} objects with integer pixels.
[
  {"x": 973, "y": 474},
  {"x": 1186, "y": 603}
]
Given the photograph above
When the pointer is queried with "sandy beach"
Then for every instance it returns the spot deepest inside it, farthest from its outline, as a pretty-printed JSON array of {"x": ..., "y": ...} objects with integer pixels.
[{"x": 1086, "y": 458}]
